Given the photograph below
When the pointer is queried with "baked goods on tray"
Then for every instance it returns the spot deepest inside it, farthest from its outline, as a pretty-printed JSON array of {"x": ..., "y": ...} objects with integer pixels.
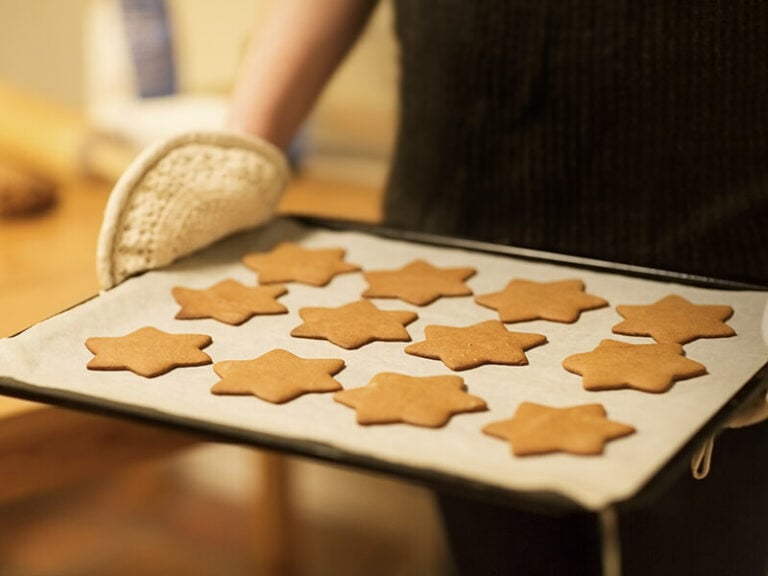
[
  {"x": 314, "y": 424},
  {"x": 429, "y": 401}
]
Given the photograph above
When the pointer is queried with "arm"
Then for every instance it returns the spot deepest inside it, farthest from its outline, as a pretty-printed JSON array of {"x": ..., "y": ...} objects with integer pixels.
[
  {"x": 237, "y": 182},
  {"x": 290, "y": 58}
]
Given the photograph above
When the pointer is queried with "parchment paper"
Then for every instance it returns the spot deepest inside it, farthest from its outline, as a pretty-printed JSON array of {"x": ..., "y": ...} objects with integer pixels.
[{"x": 51, "y": 355}]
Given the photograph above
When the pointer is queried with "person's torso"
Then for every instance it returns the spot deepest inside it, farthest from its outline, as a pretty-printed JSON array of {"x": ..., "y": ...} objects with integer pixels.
[{"x": 632, "y": 132}]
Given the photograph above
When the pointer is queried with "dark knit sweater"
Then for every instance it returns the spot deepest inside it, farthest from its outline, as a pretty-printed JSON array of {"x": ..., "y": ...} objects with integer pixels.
[{"x": 629, "y": 131}]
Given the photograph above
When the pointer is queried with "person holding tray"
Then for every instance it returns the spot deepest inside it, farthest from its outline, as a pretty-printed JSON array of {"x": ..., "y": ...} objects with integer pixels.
[{"x": 634, "y": 133}]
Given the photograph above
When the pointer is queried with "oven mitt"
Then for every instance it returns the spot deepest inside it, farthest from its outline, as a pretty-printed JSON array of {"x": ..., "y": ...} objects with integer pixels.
[
  {"x": 184, "y": 193},
  {"x": 753, "y": 412}
]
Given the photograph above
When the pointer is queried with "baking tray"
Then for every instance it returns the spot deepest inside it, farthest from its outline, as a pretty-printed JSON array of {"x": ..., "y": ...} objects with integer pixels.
[{"x": 47, "y": 362}]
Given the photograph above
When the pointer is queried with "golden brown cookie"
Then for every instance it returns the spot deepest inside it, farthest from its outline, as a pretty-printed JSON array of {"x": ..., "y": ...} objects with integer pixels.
[
  {"x": 488, "y": 342},
  {"x": 559, "y": 301},
  {"x": 428, "y": 401},
  {"x": 228, "y": 301},
  {"x": 148, "y": 351},
  {"x": 540, "y": 429},
  {"x": 418, "y": 282},
  {"x": 277, "y": 376},
  {"x": 647, "y": 367},
  {"x": 354, "y": 324},
  {"x": 289, "y": 262},
  {"x": 675, "y": 319}
]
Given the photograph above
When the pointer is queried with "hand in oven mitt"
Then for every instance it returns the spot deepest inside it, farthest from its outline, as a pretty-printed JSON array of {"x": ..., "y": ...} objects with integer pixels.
[{"x": 184, "y": 193}]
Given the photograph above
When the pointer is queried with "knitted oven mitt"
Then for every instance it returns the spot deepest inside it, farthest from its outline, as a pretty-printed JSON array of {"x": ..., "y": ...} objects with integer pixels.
[{"x": 184, "y": 193}]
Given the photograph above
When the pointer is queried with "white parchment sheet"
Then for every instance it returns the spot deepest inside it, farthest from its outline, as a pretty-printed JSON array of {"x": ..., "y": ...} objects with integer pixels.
[{"x": 52, "y": 355}]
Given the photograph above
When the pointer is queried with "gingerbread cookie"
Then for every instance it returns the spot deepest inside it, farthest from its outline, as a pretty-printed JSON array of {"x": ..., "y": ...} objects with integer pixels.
[
  {"x": 488, "y": 342},
  {"x": 277, "y": 376},
  {"x": 428, "y": 401},
  {"x": 559, "y": 301},
  {"x": 647, "y": 367},
  {"x": 540, "y": 429},
  {"x": 289, "y": 262},
  {"x": 354, "y": 324},
  {"x": 675, "y": 319},
  {"x": 228, "y": 301},
  {"x": 418, "y": 283},
  {"x": 148, "y": 351}
]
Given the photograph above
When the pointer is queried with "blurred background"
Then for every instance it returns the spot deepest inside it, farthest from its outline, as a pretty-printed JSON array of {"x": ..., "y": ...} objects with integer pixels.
[
  {"x": 138, "y": 70},
  {"x": 84, "y": 85}
]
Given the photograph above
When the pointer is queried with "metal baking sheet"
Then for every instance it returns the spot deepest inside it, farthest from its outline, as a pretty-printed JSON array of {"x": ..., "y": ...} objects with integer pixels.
[{"x": 47, "y": 362}]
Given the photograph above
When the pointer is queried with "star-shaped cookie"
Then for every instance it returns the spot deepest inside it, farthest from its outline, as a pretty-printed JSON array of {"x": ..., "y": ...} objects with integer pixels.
[
  {"x": 228, "y": 301},
  {"x": 277, "y": 376},
  {"x": 418, "y": 282},
  {"x": 428, "y": 401},
  {"x": 540, "y": 429},
  {"x": 148, "y": 351},
  {"x": 290, "y": 262},
  {"x": 354, "y": 324},
  {"x": 675, "y": 319},
  {"x": 647, "y": 367},
  {"x": 559, "y": 301},
  {"x": 488, "y": 342}
]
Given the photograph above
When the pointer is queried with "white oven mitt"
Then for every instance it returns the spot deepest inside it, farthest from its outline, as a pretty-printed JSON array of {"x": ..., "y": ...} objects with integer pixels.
[
  {"x": 184, "y": 193},
  {"x": 753, "y": 412}
]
